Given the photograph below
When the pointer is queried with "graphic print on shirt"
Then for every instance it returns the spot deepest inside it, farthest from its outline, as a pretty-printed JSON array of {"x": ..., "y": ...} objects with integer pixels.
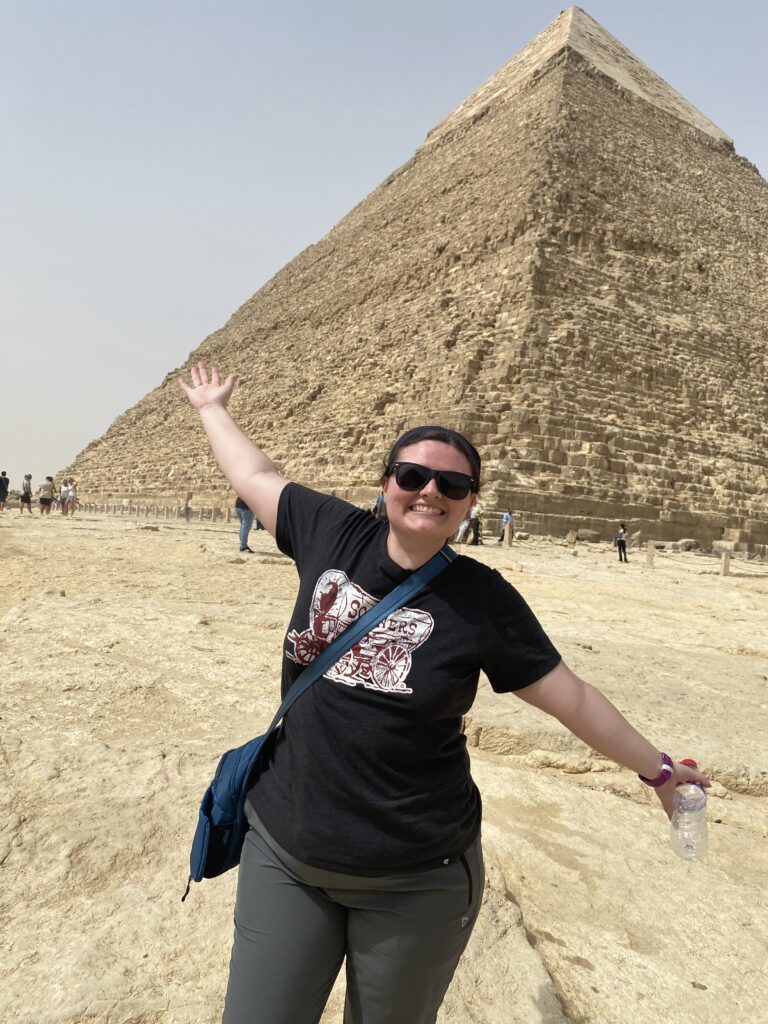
[{"x": 381, "y": 660}]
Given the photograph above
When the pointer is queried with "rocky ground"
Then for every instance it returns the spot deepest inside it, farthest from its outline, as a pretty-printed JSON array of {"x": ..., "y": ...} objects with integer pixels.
[{"x": 134, "y": 652}]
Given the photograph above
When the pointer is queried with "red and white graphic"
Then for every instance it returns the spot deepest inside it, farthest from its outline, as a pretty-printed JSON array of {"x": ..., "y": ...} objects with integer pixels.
[{"x": 382, "y": 658}]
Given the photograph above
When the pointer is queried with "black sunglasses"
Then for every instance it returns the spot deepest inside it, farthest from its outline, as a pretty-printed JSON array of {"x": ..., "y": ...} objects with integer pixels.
[{"x": 411, "y": 476}]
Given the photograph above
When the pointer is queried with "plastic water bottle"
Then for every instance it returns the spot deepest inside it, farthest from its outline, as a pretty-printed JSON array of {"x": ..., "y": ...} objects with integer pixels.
[{"x": 690, "y": 839}]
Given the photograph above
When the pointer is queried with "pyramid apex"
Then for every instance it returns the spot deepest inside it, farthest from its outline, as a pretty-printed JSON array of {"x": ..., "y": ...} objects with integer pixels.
[{"x": 576, "y": 30}]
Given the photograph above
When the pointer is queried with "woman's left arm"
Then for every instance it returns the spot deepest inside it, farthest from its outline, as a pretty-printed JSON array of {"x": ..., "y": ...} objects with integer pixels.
[{"x": 589, "y": 715}]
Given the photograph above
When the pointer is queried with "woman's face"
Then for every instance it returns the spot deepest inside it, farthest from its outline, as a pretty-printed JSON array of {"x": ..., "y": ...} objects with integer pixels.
[{"x": 428, "y": 513}]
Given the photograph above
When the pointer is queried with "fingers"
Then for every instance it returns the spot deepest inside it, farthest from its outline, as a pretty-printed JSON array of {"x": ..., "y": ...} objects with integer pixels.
[
  {"x": 199, "y": 375},
  {"x": 685, "y": 773}
]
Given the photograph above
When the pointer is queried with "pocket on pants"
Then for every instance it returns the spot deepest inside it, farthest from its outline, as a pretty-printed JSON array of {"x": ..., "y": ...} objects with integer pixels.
[{"x": 474, "y": 869}]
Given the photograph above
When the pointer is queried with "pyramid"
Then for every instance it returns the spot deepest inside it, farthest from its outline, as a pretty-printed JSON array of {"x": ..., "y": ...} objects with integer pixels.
[{"x": 571, "y": 268}]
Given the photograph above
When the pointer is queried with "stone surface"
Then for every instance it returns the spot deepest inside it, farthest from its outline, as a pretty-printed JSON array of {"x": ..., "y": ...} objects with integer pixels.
[
  {"x": 132, "y": 658},
  {"x": 589, "y": 535},
  {"x": 572, "y": 269}
]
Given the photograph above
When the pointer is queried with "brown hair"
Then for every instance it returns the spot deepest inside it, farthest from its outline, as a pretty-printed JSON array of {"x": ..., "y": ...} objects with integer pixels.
[{"x": 444, "y": 435}]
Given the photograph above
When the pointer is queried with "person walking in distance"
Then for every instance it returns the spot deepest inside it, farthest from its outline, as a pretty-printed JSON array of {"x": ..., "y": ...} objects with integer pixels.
[
  {"x": 72, "y": 503},
  {"x": 245, "y": 515},
  {"x": 463, "y": 527},
  {"x": 474, "y": 525},
  {"x": 25, "y": 498},
  {"x": 4, "y": 485},
  {"x": 621, "y": 541},
  {"x": 46, "y": 496},
  {"x": 64, "y": 496},
  {"x": 507, "y": 517},
  {"x": 364, "y": 841}
]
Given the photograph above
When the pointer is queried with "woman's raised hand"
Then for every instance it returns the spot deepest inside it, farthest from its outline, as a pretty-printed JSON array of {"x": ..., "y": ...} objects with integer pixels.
[{"x": 205, "y": 392}]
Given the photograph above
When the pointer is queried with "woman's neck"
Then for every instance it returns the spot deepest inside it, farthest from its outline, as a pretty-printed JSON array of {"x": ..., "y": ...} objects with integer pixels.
[{"x": 410, "y": 552}]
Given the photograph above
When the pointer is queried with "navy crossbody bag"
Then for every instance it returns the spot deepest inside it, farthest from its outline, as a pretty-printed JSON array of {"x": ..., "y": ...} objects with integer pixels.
[{"x": 221, "y": 823}]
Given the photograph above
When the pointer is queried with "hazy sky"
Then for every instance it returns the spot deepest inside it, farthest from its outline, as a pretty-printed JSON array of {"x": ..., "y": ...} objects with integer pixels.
[{"x": 159, "y": 161}]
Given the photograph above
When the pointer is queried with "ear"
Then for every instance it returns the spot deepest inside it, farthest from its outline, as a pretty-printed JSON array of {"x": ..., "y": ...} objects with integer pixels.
[{"x": 383, "y": 484}]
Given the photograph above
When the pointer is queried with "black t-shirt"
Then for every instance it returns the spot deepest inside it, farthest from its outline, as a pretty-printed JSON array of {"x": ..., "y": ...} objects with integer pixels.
[
  {"x": 370, "y": 774},
  {"x": 4, "y": 482}
]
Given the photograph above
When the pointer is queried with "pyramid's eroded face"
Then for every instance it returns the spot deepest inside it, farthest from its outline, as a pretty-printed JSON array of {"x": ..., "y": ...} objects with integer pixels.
[{"x": 572, "y": 269}]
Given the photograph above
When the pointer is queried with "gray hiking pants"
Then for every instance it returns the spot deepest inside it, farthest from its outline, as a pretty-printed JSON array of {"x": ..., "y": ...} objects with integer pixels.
[{"x": 402, "y": 937}]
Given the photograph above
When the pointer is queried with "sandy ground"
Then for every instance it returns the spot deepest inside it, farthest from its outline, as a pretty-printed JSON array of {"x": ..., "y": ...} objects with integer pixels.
[{"x": 134, "y": 652}]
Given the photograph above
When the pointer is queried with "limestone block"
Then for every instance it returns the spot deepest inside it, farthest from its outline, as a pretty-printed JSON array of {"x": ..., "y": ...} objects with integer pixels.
[{"x": 593, "y": 536}]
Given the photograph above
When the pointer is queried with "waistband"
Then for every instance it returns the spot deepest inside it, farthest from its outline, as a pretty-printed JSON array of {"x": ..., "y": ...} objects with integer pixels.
[{"x": 324, "y": 879}]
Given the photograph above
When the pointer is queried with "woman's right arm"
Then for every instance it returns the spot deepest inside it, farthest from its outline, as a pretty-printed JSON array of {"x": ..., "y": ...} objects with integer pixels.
[
  {"x": 588, "y": 714},
  {"x": 253, "y": 476}
]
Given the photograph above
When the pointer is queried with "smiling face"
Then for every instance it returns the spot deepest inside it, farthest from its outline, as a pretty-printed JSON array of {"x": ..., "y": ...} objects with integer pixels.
[{"x": 427, "y": 514}]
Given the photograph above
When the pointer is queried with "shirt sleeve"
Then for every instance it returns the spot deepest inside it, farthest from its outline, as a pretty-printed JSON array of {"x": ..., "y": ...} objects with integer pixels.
[
  {"x": 307, "y": 519},
  {"x": 516, "y": 650}
]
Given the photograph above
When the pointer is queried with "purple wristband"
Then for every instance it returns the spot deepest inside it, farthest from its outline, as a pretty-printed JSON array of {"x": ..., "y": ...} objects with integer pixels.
[{"x": 664, "y": 775}]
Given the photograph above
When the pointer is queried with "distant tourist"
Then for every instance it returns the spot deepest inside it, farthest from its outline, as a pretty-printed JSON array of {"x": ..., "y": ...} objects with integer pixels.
[
  {"x": 63, "y": 496},
  {"x": 462, "y": 530},
  {"x": 380, "y": 509},
  {"x": 72, "y": 502},
  {"x": 46, "y": 496},
  {"x": 25, "y": 498},
  {"x": 474, "y": 525},
  {"x": 620, "y": 540},
  {"x": 4, "y": 485},
  {"x": 365, "y": 829},
  {"x": 245, "y": 515},
  {"x": 507, "y": 517}
]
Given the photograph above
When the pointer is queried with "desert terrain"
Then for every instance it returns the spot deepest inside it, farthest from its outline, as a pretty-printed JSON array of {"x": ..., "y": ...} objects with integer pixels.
[{"x": 134, "y": 652}]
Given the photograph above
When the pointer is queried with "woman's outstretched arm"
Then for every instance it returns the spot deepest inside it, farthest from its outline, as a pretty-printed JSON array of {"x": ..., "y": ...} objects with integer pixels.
[
  {"x": 250, "y": 472},
  {"x": 589, "y": 715}
]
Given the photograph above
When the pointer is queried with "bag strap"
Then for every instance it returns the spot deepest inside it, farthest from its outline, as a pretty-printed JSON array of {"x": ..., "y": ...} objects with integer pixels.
[{"x": 415, "y": 583}]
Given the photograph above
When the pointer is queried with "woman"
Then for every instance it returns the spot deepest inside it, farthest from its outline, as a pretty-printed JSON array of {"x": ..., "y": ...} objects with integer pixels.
[
  {"x": 72, "y": 503},
  {"x": 621, "y": 541},
  {"x": 25, "y": 498},
  {"x": 46, "y": 496},
  {"x": 364, "y": 838}
]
